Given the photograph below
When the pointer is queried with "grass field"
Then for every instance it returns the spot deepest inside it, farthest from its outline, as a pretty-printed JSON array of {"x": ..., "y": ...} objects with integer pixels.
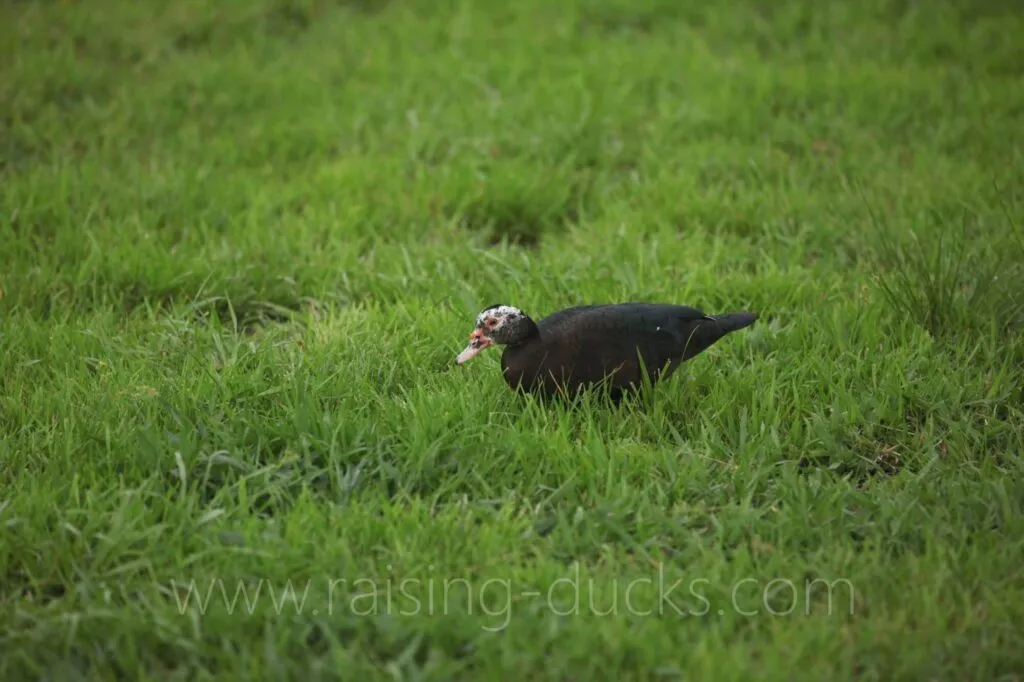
[{"x": 242, "y": 243}]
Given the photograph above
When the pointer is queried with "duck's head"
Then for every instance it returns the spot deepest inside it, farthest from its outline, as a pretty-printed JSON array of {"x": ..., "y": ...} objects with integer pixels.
[{"x": 499, "y": 324}]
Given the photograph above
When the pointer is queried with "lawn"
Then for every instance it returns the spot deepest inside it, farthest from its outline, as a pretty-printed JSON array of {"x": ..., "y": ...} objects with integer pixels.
[{"x": 241, "y": 245}]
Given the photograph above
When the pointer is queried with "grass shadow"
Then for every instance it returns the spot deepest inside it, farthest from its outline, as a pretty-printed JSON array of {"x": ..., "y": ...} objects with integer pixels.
[
  {"x": 953, "y": 280},
  {"x": 521, "y": 208}
]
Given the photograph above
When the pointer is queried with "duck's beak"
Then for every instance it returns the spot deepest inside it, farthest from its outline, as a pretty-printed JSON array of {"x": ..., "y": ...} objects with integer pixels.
[{"x": 477, "y": 343}]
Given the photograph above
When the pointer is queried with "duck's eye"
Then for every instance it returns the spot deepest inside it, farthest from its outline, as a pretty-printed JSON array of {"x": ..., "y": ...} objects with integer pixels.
[{"x": 491, "y": 322}]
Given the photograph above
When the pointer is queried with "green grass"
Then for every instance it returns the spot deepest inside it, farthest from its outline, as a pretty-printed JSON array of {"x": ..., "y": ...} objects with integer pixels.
[{"x": 242, "y": 243}]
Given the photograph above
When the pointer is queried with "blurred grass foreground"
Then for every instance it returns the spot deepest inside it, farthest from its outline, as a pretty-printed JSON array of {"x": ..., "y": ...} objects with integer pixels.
[{"x": 242, "y": 242}]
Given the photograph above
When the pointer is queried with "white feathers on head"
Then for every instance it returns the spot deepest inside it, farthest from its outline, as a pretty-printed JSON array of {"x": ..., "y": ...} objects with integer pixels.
[{"x": 499, "y": 312}]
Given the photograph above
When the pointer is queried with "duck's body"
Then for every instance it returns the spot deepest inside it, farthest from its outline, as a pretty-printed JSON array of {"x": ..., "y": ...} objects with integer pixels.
[{"x": 587, "y": 345}]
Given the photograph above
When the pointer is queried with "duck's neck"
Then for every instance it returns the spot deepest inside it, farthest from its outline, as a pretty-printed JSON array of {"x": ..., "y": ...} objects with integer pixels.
[{"x": 532, "y": 334}]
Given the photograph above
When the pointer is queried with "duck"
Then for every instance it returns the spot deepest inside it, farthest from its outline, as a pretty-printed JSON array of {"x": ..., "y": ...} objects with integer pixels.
[{"x": 622, "y": 346}]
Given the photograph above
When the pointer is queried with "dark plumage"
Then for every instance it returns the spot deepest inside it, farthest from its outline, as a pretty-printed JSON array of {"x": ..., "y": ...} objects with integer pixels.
[{"x": 581, "y": 346}]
